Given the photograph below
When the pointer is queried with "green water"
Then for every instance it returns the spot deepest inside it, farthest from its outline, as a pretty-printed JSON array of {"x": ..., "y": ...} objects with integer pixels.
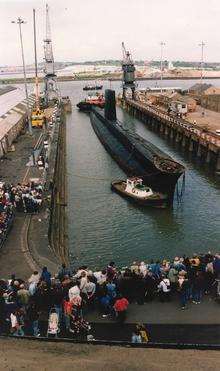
[{"x": 104, "y": 226}]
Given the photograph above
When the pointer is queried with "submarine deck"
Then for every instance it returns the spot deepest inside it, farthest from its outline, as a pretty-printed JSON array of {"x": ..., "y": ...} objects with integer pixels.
[{"x": 116, "y": 148}]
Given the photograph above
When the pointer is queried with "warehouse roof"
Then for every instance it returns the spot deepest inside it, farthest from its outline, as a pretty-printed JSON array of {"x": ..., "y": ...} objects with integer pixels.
[
  {"x": 10, "y": 99},
  {"x": 200, "y": 88}
]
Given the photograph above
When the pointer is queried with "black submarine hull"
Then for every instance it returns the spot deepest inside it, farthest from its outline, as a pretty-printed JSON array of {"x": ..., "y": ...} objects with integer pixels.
[{"x": 135, "y": 155}]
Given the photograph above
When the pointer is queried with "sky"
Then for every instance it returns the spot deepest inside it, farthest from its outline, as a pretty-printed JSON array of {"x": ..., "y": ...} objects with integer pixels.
[{"x": 94, "y": 29}]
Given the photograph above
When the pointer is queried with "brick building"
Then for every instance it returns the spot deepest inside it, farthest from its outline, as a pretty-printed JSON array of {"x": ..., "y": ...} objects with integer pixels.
[{"x": 211, "y": 101}]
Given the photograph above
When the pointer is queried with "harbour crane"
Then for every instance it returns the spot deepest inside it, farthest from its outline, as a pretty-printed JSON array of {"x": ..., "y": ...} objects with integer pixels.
[
  {"x": 37, "y": 116},
  {"x": 51, "y": 90},
  {"x": 128, "y": 69}
]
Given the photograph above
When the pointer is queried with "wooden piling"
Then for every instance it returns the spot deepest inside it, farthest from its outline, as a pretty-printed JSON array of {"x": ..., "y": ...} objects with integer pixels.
[{"x": 191, "y": 137}]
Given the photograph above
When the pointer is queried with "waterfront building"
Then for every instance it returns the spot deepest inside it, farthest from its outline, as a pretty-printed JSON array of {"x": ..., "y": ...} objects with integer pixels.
[{"x": 13, "y": 108}]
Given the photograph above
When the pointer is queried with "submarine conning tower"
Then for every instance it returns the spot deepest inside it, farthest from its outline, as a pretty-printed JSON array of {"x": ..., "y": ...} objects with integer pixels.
[{"x": 110, "y": 105}]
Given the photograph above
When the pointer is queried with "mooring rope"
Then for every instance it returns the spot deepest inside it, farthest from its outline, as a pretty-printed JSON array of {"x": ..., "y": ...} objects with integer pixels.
[
  {"x": 90, "y": 177},
  {"x": 180, "y": 193}
]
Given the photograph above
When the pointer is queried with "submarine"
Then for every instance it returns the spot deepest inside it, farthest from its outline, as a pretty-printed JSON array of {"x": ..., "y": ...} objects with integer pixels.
[{"x": 135, "y": 155}]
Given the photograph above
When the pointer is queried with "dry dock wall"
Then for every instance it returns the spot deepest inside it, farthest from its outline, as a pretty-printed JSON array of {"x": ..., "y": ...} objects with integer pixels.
[
  {"x": 204, "y": 145},
  {"x": 57, "y": 183}
]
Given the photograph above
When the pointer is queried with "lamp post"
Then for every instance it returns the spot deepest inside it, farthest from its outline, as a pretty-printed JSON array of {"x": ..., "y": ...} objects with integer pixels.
[
  {"x": 162, "y": 44},
  {"x": 202, "y": 44},
  {"x": 20, "y": 21}
]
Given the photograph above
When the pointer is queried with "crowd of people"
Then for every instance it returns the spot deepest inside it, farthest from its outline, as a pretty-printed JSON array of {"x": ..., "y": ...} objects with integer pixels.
[
  {"x": 46, "y": 305},
  {"x": 25, "y": 198},
  {"x": 6, "y": 214}
]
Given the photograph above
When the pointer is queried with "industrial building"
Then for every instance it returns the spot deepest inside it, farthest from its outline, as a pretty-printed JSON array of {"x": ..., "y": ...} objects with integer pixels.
[{"x": 13, "y": 115}]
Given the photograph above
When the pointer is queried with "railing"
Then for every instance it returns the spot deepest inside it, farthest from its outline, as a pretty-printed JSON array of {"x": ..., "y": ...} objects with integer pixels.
[{"x": 208, "y": 137}]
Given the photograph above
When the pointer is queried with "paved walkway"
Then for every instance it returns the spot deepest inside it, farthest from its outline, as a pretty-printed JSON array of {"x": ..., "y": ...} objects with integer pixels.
[
  {"x": 209, "y": 121},
  {"x": 166, "y": 322},
  {"x": 168, "y": 313},
  {"x": 27, "y": 232},
  {"x": 12, "y": 257},
  {"x": 159, "y": 333}
]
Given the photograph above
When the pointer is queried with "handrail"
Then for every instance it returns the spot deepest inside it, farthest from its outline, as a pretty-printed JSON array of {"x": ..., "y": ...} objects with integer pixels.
[{"x": 208, "y": 136}]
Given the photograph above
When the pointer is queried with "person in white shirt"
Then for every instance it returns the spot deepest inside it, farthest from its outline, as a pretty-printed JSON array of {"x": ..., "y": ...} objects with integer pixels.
[
  {"x": 90, "y": 289},
  {"x": 83, "y": 283},
  {"x": 79, "y": 273},
  {"x": 143, "y": 269},
  {"x": 16, "y": 328},
  {"x": 101, "y": 276},
  {"x": 74, "y": 291},
  {"x": 35, "y": 277},
  {"x": 164, "y": 289}
]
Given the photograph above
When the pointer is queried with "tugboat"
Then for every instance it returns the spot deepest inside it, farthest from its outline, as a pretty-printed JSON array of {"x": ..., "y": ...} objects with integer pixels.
[
  {"x": 98, "y": 87},
  {"x": 91, "y": 101},
  {"x": 93, "y": 87},
  {"x": 134, "y": 154},
  {"x": 134, "y": 189}
]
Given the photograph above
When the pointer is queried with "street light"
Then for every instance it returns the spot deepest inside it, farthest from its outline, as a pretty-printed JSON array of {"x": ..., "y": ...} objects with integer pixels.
[
  {"x": 162, "y": 44},
  {"x": 202, "y": 44},
  {"x": 20, "y": 21}
]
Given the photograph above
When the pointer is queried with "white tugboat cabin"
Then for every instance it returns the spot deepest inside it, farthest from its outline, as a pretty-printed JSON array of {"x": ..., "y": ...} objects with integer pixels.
[{"x": 136, "y": 188}]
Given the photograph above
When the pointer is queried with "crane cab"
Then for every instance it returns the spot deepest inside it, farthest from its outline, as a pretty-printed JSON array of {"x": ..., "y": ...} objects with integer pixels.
[{"x": 37, "y": 118}]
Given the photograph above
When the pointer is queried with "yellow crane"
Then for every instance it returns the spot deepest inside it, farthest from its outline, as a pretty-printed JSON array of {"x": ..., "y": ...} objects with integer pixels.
[{"x": 37, "y": 116}]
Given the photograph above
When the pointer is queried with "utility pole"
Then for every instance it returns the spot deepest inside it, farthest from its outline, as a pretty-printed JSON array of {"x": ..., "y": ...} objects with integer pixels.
[
  {"x": 162, "y": 44},
  {"x": 202, "y": 44},
  {"x": 35, "y": 59},
  {"x": 20, "y": 21}
]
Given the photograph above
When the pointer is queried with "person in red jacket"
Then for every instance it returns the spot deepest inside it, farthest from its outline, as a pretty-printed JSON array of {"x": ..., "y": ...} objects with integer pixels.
[{"x": 121, "y": 306}]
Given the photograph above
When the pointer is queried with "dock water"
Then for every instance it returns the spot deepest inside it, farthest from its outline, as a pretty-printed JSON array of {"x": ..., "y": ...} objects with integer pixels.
[{"x": 104, "y": 226}]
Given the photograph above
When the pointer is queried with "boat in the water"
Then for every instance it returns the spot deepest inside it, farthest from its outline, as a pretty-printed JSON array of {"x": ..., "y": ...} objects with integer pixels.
[
  {"x": 93, "y": 100},
  {"x": 93, "y": 87},
  {"x": 134, "y": 154},
  {"x": 135, "y": 190}
]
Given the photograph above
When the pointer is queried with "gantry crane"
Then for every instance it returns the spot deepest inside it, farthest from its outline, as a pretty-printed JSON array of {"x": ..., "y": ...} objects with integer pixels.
[
  {"x": 128, "y": 69},
  {"x": 51, "y": 90}
]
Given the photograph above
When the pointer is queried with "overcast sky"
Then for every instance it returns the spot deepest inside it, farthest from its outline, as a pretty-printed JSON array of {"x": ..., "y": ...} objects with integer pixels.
[{"x": 94, "y": 29}]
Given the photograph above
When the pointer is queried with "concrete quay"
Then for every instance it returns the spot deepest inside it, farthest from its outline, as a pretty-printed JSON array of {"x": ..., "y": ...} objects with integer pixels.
[
  {"x": 58, "y": 233},
  {"x": 28, "y": 246},
  {"x": 17, "y": 255},
  {"x": 204, "y": 144}
]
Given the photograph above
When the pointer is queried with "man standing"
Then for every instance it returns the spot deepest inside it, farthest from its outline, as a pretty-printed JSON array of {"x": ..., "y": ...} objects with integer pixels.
[
  {"x": 120, "y": 307},
  {"x": 164, "y": 289}
]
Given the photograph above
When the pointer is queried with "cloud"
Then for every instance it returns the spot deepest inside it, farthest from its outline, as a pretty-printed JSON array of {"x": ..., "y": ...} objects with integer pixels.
[{"x": 94, "y": 29}]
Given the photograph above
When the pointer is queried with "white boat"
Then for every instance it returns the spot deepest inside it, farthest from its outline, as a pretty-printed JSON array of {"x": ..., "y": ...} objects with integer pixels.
[{"x": 139, "y": 192}]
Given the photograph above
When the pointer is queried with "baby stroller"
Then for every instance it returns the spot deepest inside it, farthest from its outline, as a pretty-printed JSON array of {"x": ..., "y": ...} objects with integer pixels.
[
  {"x": 53, "y": 324},
  {"x": 78, "y": 326}
]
